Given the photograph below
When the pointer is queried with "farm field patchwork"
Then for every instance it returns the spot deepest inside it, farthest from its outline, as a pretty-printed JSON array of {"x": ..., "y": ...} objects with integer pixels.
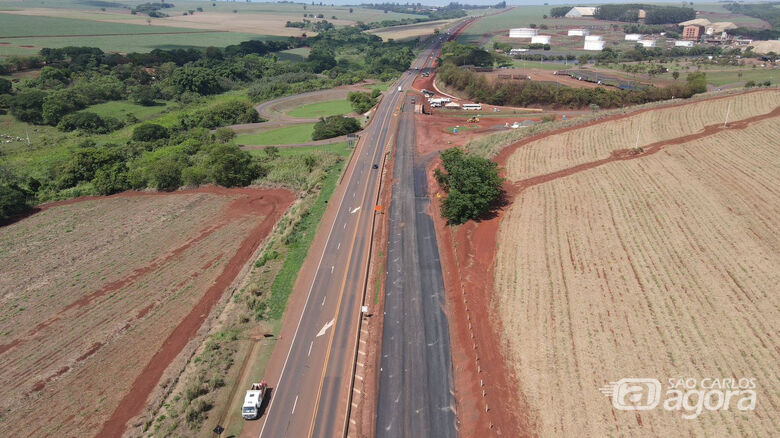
[
  {"x": 659, "y": 266},
  {"x": 94, "y": 290},
  {"x": 567, "y": 149},
  {"x": 321, "y": 109}
]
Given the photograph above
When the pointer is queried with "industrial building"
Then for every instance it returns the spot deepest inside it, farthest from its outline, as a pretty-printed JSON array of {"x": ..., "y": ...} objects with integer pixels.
[
  {"x": 593, "y": 38},
  {"x": 680, "y": 43},
  {"x": 647, "y": 43},
  {"x": 540, "y": 39},
  {"x": 633, "y": 37},
  {"x": 578, "y": 32},
  {"x": 523, "y": 32},
  {"x": 595, "y": 45}
]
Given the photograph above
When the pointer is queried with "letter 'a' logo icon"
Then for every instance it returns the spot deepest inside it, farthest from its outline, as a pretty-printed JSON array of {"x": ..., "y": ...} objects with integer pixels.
[{"x": 634, "y": 394}]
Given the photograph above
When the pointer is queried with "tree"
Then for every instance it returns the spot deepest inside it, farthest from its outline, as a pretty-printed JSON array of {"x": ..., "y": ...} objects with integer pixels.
[
  {"x": 111, "y": 179},
  {"x": 143, "y": 95},
  {"x": 224, "y": 135},
  {"x": 334, "y": 126},
  {"x": 27, "y": 106},
  {"x": 230, "y": 166},
  {"x": 13, "y": 201},
  {"x": 272, "y": 152},
  {"x": 5, "y": 86},
  {"x": 199, "y": 80},
  {"x": 472, "y": 185},
  {"x": 149, "y": 132},
  {"x": 675, "y": 75},
  {"x": 351, "y": 10}
]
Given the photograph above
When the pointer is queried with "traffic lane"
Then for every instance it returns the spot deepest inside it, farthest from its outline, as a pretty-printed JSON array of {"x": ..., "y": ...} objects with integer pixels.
[
  {"x": 293, "y": 397},
  {"x": 337, "y": 384},
  {"x": 336, "y": 256},
  {"x": 310, "y": 405}
]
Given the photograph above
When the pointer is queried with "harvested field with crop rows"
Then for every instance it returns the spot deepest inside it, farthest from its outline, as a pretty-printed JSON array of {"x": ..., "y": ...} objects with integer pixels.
[
  {"x": 657, "y": 266},
  {"x": 564, "y": 150},
  {"x": 99, "y": 295}
]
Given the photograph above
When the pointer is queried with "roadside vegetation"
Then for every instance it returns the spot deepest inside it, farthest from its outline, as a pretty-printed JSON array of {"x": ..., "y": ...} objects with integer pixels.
[
  {"x": 260, "y": 301},
  {"x": 362, "y": 102},
  {"x": 523, "y": 93},
  {"x": 472, "y": 185},
  {"x": 98, "y": 149}
]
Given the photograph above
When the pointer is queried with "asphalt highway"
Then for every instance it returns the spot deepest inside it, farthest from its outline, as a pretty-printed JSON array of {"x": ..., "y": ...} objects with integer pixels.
[
  {"x": 310, "y": 396},
  {"x": 416, "y": 394}
]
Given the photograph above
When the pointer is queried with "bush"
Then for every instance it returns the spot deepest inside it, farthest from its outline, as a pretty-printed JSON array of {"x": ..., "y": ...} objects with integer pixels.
[
  {"x": 149, "y": 132},
  {"x": 143, "y": 95},
  {"x": 5, "y": 86},
  {"x": 472, "y": 185},
  {"x": 199, "y": 80},
  {"x": 362, "y": 102},
  {"x": 27, "y": 106},
  {"x": 223, "y": 114},
  {"x": 334, "y": 126},
  {"x": 230, "y": 166},
  {"x": 88, "y": 122},
  {"x": 13, "y": 201}
]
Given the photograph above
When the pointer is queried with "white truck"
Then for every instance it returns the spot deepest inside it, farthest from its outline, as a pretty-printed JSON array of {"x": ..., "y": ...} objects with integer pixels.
[
  {"x": 253, "y": 400},
  {"x": 400, "y": 89}
]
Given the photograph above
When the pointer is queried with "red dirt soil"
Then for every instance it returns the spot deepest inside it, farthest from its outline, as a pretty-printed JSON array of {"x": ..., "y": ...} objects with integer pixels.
[
  {"x": 255, "y": 200},
  {"x": 115, "y": 340},
  {"x": 478, "y": 361},
  {"x": 487, "y": 392}
]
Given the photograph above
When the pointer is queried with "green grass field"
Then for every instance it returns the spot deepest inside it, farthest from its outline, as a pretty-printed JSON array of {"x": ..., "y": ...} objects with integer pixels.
[
  {"x": 29, "y": 26},
  {"x": 120, "y": 109},
  {"x": 322, "y": 109},
  {"x": 300, "y": 133},
  {"x": 340, "y": 149},
  {"x": 294, "y": 55}
]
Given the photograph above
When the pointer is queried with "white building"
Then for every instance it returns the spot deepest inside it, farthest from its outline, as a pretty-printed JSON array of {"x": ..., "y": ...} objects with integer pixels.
[
  {"x": 523, "y": 32},
  {"x": 647, "y": 43},
  {"x": 633, "y": 37},
  {"x": 578, "y": 32},
  {"x": 540, "y": 39},
  {"x": 594, "y": 45},
  {"x": 683, "y": 44},
  {"x": 581, "y": 11},
  {"x": 593, "y": 37}
]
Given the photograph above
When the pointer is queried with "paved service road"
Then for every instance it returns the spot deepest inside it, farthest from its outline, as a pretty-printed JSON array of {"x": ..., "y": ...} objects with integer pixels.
[{"x": 310, "y": 396}]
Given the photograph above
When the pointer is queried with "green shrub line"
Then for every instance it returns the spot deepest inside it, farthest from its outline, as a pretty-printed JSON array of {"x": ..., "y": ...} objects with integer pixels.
[{"x": 299, "y": 243}]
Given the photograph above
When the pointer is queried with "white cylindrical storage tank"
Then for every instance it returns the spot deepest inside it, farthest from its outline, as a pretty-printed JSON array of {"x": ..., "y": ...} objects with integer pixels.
[
  {"x": 592, "y": 37},
  {"x": 578, "y": 32},
  {"x": 594, "y": 45},
  {"x": 633, "y": 37},
  {"x": 647, "y": 43},
  {"x": 523, "y": 32},
  {"x": 540, "y": 39}
]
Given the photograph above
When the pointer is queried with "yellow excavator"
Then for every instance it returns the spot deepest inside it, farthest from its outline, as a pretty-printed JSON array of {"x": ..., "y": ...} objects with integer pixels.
[{"x": 473, "y": 119}]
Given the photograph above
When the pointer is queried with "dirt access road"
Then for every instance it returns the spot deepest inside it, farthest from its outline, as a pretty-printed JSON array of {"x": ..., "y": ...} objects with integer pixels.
[{"x": 102, "y": 293}]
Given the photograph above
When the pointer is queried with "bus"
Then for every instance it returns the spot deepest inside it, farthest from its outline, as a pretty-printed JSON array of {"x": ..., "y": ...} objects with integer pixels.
[{"x": 472, "y": 106}]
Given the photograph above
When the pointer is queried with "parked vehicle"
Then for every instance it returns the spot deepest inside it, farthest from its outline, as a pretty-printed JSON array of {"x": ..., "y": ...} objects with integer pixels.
[{"x": 253, "y": 400}]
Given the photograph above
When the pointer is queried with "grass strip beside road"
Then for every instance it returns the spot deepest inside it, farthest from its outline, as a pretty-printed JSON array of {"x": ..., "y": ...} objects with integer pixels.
[
  {"x": 285, "y": 135},
  {"x": 322, "y": 109},
  {"x": 302, "y": 236}
]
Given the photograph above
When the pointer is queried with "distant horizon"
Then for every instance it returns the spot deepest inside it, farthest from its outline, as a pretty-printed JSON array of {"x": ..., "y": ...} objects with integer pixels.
[{"x": 491, "y": 2}]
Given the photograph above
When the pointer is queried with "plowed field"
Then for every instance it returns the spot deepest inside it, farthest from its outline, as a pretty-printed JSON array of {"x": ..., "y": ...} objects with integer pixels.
[
  {"x": 100, "y": 294},
  {"x": 659, "y": 265}
]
